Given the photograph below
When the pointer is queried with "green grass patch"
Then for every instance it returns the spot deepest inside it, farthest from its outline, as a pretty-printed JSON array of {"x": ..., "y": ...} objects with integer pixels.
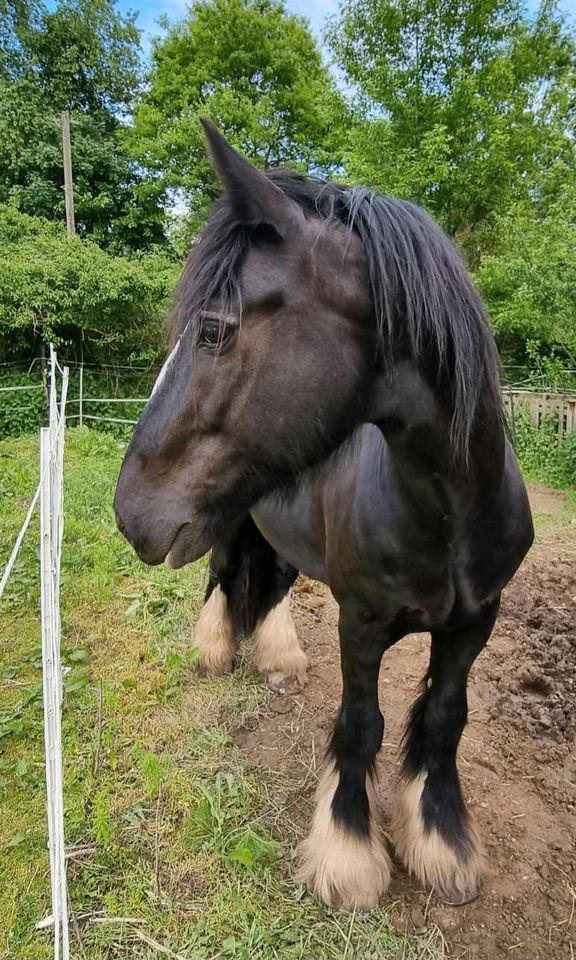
[{"x": 168, "y": 823}]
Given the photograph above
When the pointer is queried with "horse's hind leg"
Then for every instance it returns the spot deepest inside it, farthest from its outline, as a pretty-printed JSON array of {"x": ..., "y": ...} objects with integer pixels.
[
  {"x": 248, "y": 593},
  {"x": 343, "y": 859},
  {"x": 433, "y": 832},
  {"x": 277, "y": 651}
]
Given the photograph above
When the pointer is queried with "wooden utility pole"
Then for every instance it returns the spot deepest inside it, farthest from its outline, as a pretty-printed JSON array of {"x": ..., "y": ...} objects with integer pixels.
[{"x": 68, "y": 185}]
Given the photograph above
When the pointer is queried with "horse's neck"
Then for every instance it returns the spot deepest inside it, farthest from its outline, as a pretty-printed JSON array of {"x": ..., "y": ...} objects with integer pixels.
[{"x": 417, "y": 429}]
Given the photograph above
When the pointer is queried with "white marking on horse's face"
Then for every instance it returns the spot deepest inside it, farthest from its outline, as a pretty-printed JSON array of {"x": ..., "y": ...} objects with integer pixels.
[{"x": 165, "y": 367}]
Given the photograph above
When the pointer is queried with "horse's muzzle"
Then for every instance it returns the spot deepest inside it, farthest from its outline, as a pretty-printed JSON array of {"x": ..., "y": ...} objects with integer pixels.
[
  {"x": 188, "y": 545},
  {"x": 157, "y": 537}
]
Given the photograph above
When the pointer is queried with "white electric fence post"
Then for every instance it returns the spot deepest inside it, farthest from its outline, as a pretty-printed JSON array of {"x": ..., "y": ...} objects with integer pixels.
[
  {"x": 80, "y": 393},
  {"x": 51, "y": 529}
]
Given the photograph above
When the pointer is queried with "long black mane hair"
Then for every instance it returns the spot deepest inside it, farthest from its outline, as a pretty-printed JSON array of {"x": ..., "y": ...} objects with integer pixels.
[{"x": 420, "y": 287}]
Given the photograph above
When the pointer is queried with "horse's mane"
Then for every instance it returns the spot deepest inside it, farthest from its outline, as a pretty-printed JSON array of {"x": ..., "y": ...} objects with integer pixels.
[{"x": 420, "y": 287}]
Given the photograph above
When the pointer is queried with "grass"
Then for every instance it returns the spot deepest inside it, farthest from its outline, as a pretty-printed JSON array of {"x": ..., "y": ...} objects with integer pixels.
[
  {"x": 168, "y": 822},
  {"x": 554, "y": 515}
]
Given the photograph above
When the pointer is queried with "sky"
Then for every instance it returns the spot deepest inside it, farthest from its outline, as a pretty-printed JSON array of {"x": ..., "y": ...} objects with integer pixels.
[
  {"x": 149, "y": 10},
  {"x": 315, "y": 10}
]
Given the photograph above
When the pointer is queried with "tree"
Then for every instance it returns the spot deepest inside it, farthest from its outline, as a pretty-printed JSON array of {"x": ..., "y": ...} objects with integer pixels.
[
  {"x": 461, "y": 105},
  {"x": 83, "y": 53},
  {"x": 529, "y": 283},
  {"x": 256, "y": 71},
  {"x": 82, "y": 56}
]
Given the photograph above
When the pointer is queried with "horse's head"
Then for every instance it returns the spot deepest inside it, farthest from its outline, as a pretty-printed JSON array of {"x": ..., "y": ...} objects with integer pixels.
[{"x": 274, "y": 346}]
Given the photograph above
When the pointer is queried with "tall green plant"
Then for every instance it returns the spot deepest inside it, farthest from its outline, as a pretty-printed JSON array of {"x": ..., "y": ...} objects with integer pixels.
[
  {"x": 82, "y": 56},
  {"x": 543, "y": 456},
  {"x": 529, "y": 283}
]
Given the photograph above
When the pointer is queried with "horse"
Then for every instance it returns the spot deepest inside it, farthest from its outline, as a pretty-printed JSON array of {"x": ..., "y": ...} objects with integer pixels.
[{"x": 331, "y": 404}]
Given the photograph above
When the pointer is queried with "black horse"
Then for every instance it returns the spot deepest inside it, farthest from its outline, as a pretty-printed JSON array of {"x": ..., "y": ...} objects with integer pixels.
[{"x": 332, "y": 405}]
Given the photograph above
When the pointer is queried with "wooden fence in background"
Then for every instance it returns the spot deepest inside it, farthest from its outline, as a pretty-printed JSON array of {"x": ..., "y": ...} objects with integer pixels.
[{"x": 562, "y": 407}]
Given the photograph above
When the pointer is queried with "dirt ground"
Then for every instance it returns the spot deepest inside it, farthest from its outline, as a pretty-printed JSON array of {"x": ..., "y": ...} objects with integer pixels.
[{"x": 517, "y": 759}]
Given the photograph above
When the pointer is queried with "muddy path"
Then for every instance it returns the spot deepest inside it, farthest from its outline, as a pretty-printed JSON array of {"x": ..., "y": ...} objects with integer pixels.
[{"x": 517, "y": 759}]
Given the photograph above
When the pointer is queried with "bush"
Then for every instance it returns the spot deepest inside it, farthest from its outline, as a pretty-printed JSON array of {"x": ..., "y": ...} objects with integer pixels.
[
  {"x": 543, "y": 456},
  {"x": 68, "y": 291},
  {"x": 23, "y": 410}
]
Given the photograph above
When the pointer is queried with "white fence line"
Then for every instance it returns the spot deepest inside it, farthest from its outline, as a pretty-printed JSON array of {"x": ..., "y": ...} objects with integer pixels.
[
  {"x": 34, "y": 386},
  {"x": 50, "y": 492},
  {"x": 560, "y": 403},
  {"x": 18, "y": 542},
  {"x": 88, "y": 416},
  {"x": 108, "y": 400},
  {"x": 81, "y": 400},
  {"x": 75, "y": 363}
]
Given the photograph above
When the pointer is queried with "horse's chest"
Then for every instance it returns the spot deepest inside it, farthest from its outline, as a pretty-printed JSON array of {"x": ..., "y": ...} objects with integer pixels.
[{"x": 290, "y": 529}]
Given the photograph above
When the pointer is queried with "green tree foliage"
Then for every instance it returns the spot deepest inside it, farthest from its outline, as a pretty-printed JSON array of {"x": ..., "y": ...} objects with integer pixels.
[
  {"x": 529, "y": 283},
  {"x": 257, "y": 72},
  {"x": 69, "y": 291},
  {"x": 82, "y": 56},
  {"x": 461, "y": 105},
  {"x": 84, "y": 51},
  {"x": 465, "y": 106}
]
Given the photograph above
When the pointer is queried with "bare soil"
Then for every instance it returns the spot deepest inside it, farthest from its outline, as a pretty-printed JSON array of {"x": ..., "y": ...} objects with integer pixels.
[{"x": 517, "y": 759}]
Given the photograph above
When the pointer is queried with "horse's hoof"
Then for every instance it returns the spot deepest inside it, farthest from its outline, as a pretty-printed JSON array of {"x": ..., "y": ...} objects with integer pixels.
[
  {"x": 209, "y": 671},
  {"x": 277, "y": 653},
  {"x": 344, "y": 870},
  {"x": 214, "y": 637},
  {"x": 283, "y": 683},
  {"x": 345, "y": 873},
  {"x": 453, "y": 872},
  {"x": 457, "y": 899}
]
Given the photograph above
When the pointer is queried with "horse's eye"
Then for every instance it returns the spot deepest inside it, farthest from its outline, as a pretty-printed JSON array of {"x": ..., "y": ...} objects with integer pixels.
[
  {"x": 211, "y": 334},
  {"x": 214, "y": 332}
]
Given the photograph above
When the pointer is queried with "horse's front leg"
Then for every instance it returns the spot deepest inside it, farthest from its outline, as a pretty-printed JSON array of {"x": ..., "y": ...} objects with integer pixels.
[
  {"x": 433, "y": 832},
  {"x": 343, "y": 859}
]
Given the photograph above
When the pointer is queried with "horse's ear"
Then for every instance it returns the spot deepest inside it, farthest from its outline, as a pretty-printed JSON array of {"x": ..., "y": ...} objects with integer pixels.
[{"x": 255, "y": 199}]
